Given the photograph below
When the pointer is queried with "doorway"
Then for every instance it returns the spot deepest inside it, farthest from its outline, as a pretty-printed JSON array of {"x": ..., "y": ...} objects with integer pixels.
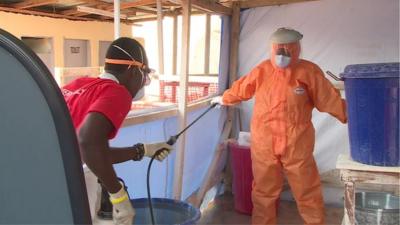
[{"x": 43, "y": 47}]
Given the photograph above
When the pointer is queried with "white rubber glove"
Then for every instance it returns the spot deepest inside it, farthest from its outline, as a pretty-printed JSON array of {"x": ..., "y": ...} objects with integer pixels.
[
  {"x": 151, "y": 149},
  {"x": 123, "y": 212},
  {"x": 217, "y": 100}
]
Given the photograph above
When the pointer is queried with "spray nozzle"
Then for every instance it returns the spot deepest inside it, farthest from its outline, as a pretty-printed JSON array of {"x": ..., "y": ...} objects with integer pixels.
[
  {"x": 172, "y": 140},
  {"x": 213, "y": 105}
]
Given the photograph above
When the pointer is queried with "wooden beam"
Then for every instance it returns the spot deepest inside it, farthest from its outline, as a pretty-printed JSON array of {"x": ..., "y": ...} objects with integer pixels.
[
  {"x": 70, "y": 12},
  {"x": 160, "y": 37},
  {"x": 80, "y": 14},
  {"x": 370, "y": 177},
  {"x": 138, "y": 19},
  {"x": 37, "y": 13},
  {"x": 175, "y": 45},
  {"x": 207, "y": 45},
  {"x": 154, "y": 10},
  {"x": 145, "y": 17},
  {"x": 130, "y": 13},
  {"x": 261, "y": 3},
  {"x": 104, "y": 7},
  {"x": 136, "y": 3},
  {"x": 151, "y": 17},
  {"x": 33, "y": 3},
  {"x": 89, "y": 3},
  {"x": 182, "y": 99},
  {"x": 211, "y": 7},
  {"x": 100, "y": 12},
  {"x": 140, "y": 9},
  {"x": 208, "y": 6}
]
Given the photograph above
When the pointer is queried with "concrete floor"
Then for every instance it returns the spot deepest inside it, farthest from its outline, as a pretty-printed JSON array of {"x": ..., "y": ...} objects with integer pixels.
[{"x": 222, "y": 211}]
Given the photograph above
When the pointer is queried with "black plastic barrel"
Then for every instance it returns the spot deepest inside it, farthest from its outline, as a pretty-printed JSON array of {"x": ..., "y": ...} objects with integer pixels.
[{"x": 372, "y": 94}]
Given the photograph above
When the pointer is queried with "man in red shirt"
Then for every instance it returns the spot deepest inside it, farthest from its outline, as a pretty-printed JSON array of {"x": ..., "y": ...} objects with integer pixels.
[{"x": 98, "y": 107}]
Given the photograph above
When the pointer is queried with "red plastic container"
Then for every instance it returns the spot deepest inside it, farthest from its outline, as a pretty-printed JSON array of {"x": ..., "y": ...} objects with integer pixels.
[{"x": 242, "y": 177}]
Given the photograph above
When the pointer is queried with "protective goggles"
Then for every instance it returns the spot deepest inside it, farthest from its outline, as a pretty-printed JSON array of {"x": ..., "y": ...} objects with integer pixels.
[
  {"x": 143, "y": 68},
  {"x": 283, "y": 51}
]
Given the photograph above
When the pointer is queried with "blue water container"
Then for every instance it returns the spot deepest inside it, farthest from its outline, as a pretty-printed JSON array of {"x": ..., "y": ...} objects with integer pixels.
[
  {"x": 166, "y": 212},
  {"x": 372, "y": 94}
]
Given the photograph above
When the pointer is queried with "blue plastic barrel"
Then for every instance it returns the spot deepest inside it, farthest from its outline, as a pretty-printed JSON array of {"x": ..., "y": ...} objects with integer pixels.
[
  {"x": 166, "y": 211},
  {"x": 372, "y": 94}
]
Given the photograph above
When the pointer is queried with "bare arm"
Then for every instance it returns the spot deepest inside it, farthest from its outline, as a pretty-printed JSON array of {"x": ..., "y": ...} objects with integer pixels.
[
  {"x": 96, "y": 153},
  {"x": 119, "y": 155}
]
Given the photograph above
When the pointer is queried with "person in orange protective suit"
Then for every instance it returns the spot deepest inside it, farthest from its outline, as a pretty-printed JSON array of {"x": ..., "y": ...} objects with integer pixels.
[{"x": 286, "y": 90}]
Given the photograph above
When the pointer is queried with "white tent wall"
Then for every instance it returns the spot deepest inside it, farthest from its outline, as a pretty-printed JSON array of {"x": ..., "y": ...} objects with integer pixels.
[
  {"x": 336, "y": 33},
  {"x": 201, "y": 140},
  {"x": 134, "y": 173}
]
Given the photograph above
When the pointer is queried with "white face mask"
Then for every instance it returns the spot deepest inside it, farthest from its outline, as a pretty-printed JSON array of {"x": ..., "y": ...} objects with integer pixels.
[
  {"x": 139, "y": 95},
  {"x": 282, "y": 61}
]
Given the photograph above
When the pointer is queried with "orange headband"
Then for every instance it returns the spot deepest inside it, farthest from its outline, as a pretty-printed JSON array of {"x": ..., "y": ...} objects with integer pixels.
[{"x": 125, "y": 62}]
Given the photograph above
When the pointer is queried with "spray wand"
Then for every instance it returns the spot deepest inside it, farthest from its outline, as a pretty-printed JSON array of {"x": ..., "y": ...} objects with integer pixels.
[
  {"x": 174, "y": 138},
  {"x": 171, "y": 141}
]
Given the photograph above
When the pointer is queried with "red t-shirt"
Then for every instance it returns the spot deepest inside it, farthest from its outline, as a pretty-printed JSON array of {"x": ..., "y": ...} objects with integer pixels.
[{"x": 85, "y": 95}]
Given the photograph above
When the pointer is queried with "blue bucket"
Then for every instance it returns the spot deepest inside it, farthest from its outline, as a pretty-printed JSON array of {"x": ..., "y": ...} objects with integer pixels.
[
  {"x": 372, "y": 94},
  {"x": 166, "y": 211}
]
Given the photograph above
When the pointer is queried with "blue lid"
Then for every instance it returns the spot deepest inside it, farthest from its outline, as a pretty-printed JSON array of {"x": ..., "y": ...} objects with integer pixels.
[{"x": 373, "y": 70}]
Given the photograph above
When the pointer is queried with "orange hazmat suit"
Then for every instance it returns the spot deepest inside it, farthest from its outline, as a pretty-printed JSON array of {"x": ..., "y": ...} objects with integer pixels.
[{"x": 282, "y": 134}]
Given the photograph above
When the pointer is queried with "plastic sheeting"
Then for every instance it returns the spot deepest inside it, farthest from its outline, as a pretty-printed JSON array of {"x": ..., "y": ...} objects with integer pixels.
[
  {"x": 336, "y": 33},
  {"x": 200, "y": 147}
]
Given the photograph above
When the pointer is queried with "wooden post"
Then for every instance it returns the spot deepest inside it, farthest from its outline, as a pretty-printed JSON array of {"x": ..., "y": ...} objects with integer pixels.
[
  {"x": 182, "y": 104},
  {"x": 234, "y": 42},
  {"x": 207, "y": 45},
  {"x": 160, "y": 35},
  {"x": 234, "y": 52},
  {"x": 175, "y": 46},
  {"x": 117, "y": 24},
  {"x": 349, "y": 203},
  {"x": 233, "y": 60}
]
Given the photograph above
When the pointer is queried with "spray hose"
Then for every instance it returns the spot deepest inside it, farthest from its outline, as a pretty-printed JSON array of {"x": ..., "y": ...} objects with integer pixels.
[{"x": 171, "y": 141}]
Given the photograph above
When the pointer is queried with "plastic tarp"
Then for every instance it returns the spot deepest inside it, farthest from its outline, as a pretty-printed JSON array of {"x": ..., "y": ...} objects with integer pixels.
[{"x": 336, "y": 33}]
